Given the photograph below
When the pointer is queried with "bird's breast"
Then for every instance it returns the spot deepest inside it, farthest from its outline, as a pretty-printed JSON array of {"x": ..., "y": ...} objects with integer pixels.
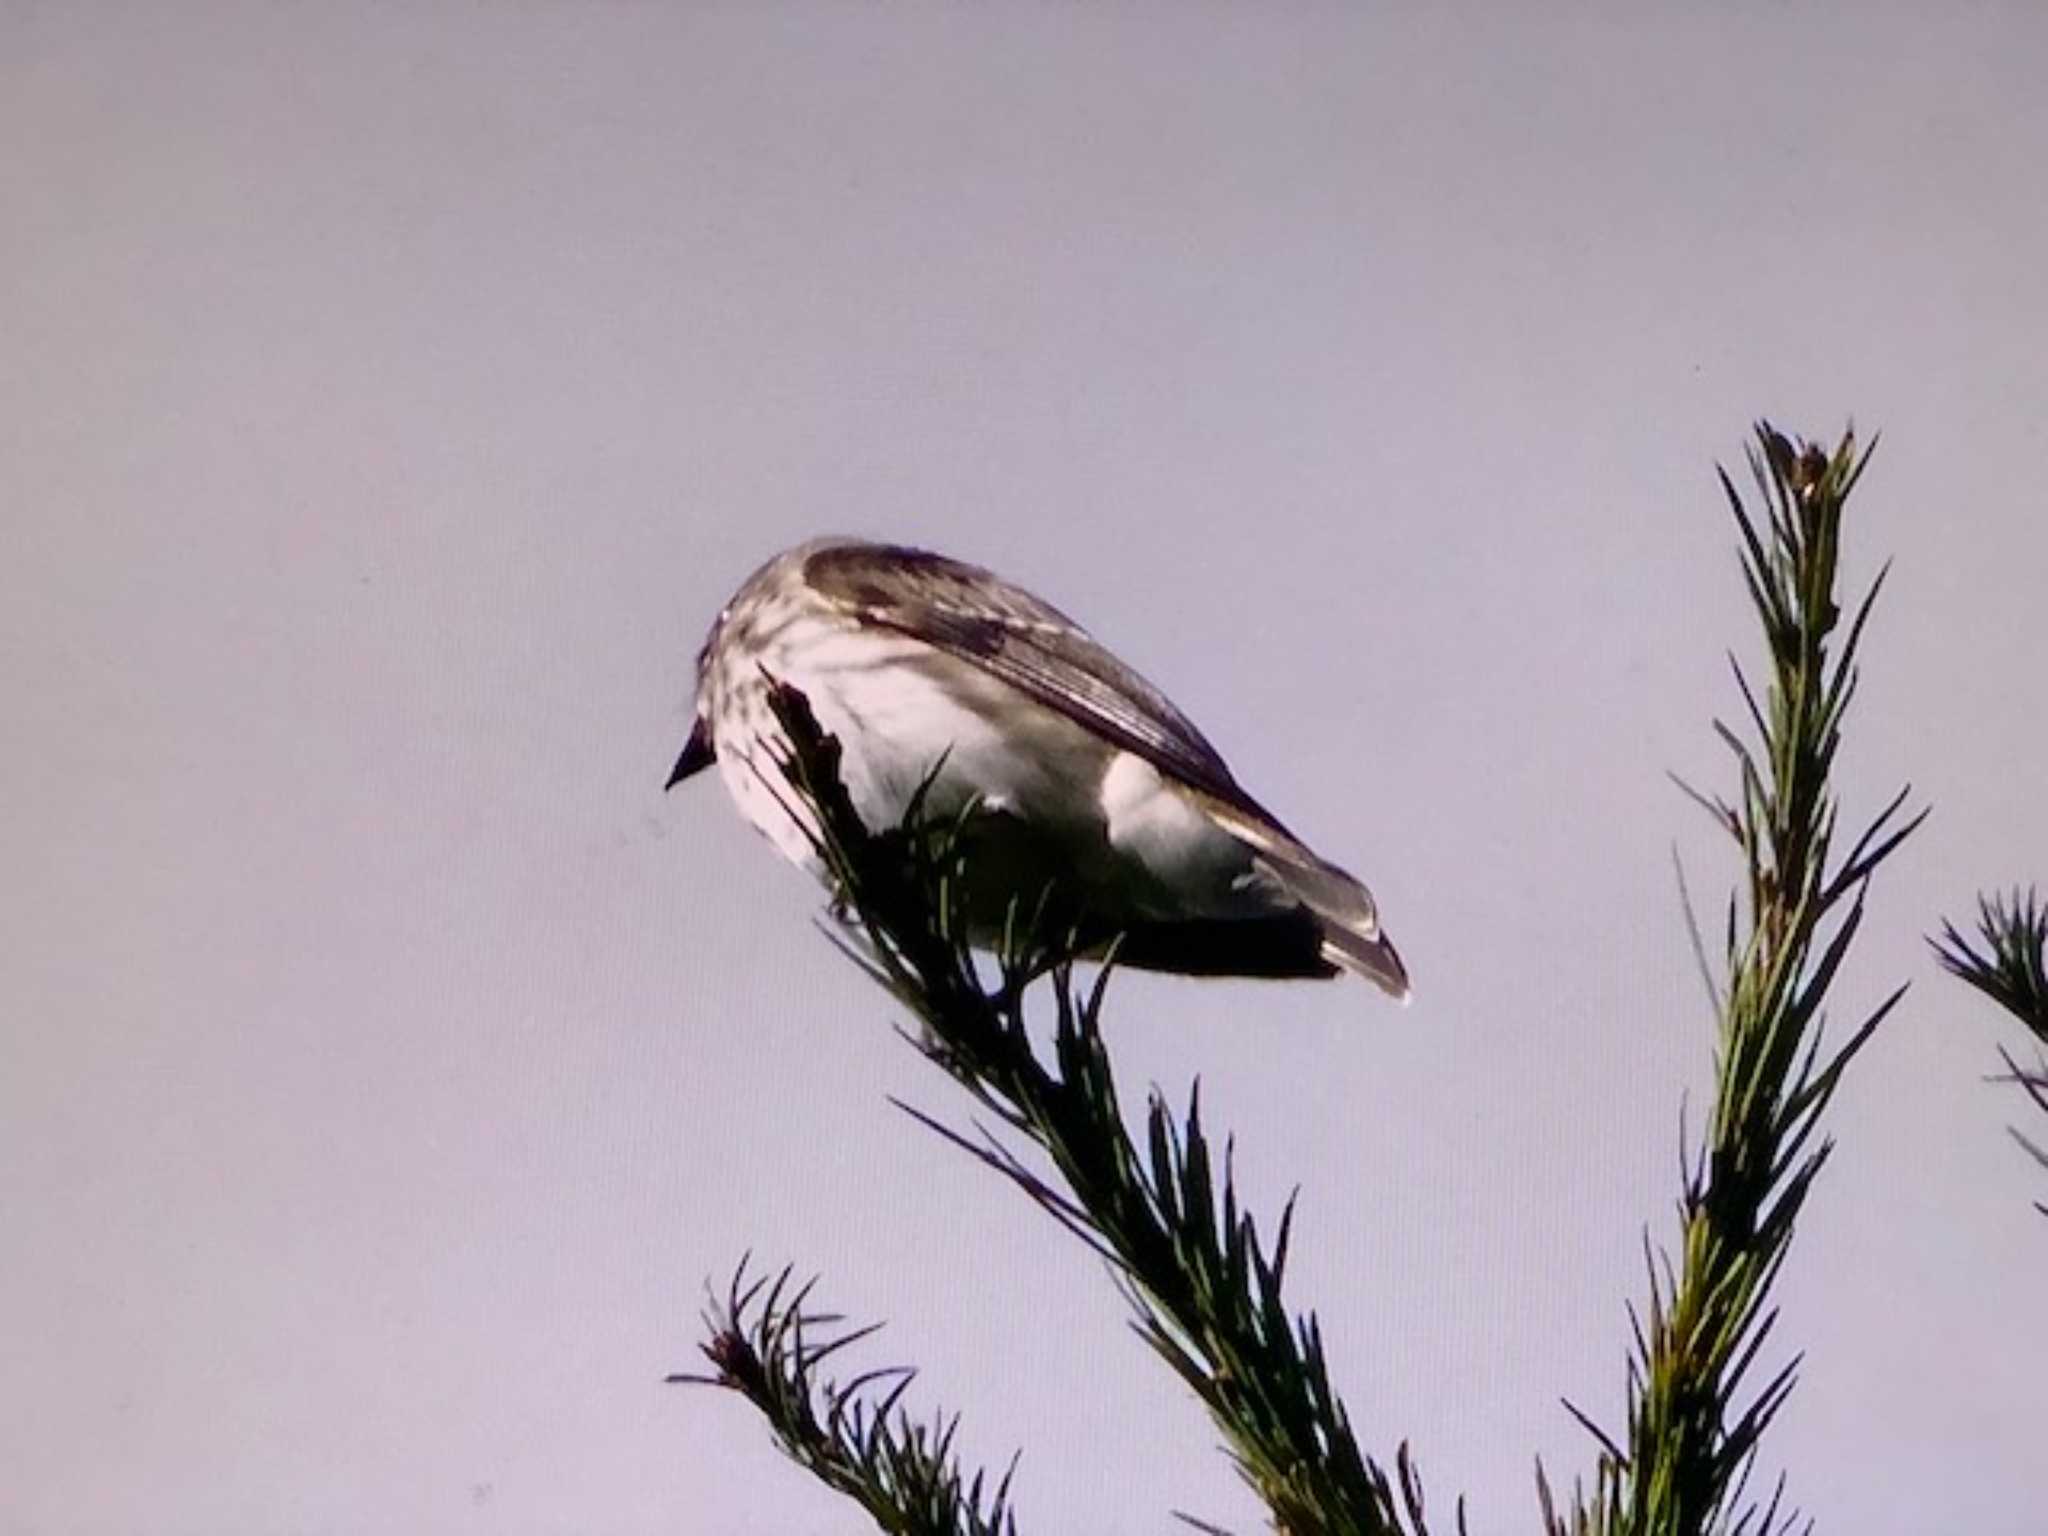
[
  {"x": 902, "y": 711},
  {"x": 1069, "y": 804}
]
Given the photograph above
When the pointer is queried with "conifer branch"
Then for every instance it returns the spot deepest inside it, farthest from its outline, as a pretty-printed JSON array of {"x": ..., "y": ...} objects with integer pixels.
[
  {"x": 1205, "y": 1289},
  {"x": 2012, "y": 970},
  {"x": 854, "y": 1436},
  {"x": 1697, "y": 1404}
]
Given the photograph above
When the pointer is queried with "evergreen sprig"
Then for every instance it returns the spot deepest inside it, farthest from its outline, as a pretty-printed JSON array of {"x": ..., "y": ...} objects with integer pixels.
[
  {"x": 1696, "y": 1410},
  {"x": 854, "y": 1436},
  {"x": 2012, "y": 967},
  {"x": 2012, "y": 970},
  {"x": 1204, "y": 1288}
]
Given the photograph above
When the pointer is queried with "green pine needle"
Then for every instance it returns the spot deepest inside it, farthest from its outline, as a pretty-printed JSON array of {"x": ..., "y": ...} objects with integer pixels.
[
  {"x": 2012, "y": 967},
  {"x": 853, "y": 1436},
  {"x": 2012, "y": 970}
]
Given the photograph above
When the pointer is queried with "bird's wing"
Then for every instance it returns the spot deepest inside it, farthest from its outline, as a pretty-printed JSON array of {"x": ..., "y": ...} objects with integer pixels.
[{"x": 1028, "y": 643}]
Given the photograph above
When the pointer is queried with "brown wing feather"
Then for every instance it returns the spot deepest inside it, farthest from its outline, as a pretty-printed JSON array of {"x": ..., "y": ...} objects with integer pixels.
[{"x": 979, "y": 617}]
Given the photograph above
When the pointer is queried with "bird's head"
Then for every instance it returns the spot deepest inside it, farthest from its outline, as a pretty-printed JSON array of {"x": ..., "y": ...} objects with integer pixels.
[{"x": 733, "y": 652}]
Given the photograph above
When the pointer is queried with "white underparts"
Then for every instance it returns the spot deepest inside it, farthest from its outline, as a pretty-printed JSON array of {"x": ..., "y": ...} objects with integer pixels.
[
  {"x": 1190, "y": 867},
  {"x": 1136, "y": 841}
]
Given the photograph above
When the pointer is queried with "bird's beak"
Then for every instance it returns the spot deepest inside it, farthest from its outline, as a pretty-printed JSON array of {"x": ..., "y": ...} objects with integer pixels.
[{"x": 697, "y": 755}]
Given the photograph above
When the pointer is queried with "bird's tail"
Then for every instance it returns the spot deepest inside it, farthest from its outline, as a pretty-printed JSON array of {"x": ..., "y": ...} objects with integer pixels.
[
  {"x": 1350, "y": 922},
  {"x": 1373, "y": 958},
  {"x": 1342, "y": 907}
]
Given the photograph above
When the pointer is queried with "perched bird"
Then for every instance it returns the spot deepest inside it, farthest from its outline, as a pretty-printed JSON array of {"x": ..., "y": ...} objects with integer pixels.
[{"x": 1091, "y": 782}]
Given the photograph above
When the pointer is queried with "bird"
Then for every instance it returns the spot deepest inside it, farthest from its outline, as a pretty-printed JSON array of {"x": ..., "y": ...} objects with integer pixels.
[{"x": 1084, "y": 779}]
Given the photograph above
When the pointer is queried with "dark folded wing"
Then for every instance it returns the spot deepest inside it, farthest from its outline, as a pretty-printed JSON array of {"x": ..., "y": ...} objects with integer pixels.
[{"x": 1030, "y": 644}]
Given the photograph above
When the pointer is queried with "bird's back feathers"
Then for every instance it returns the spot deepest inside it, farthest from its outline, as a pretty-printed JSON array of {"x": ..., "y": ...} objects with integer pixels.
[{"x": 1029, "y": 644}]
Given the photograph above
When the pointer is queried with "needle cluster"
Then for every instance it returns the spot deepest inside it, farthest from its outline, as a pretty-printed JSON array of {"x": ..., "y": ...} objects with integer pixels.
[
  {"x": 853, "y": 1436},
  {"x": 2011, "y": 968}
]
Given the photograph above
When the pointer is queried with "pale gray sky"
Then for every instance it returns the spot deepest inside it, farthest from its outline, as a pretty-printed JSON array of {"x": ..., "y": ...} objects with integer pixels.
[{"x": 389, "y": 395}]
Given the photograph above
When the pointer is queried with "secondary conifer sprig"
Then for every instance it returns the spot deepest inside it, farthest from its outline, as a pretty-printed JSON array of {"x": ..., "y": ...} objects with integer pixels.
[
  {"x": 1695, "y": 1409},
  {"x": 851, "y": 1436},
  {"x": 1205, "y": 1290},
  {"x": 2012, "y": 970}
]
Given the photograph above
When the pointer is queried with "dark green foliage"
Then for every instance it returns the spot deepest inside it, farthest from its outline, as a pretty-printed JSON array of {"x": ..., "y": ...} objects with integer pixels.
[
  {"x": 1695, "y": 1408},
  {"x": 2012, "y": 970},
  {"x": 767, "y": 1348},
  {"x": 2012, "y": 967}
]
